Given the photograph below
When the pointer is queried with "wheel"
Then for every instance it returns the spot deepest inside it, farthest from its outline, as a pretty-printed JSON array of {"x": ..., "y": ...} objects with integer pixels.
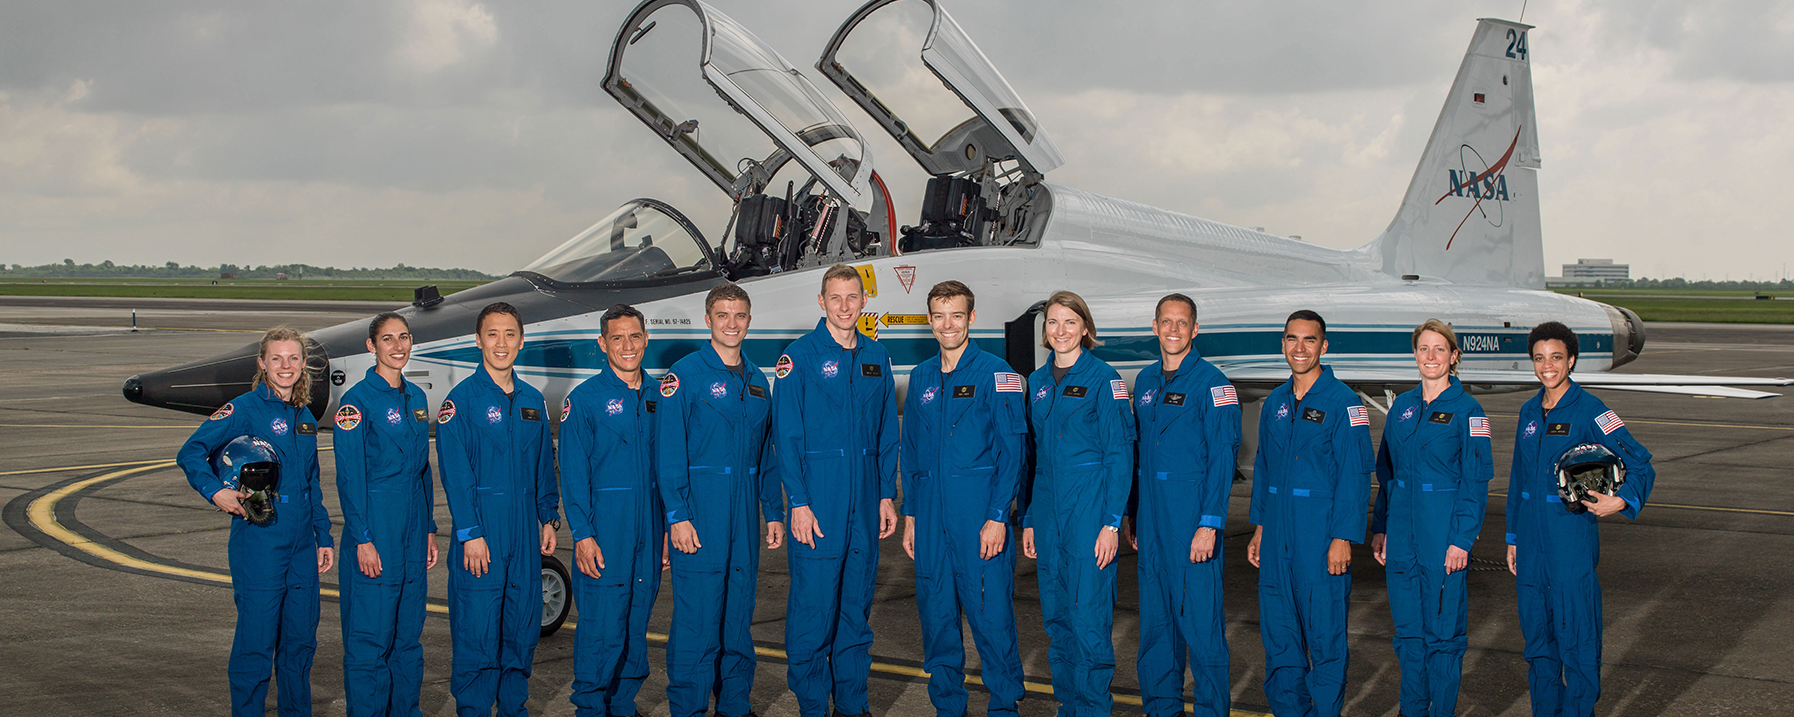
[{"x": 557, "y": 596}]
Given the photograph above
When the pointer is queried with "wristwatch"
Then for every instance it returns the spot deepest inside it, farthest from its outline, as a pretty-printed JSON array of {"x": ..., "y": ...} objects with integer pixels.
[
  {"x": 556, "y": 523},
  {"x": 1111, "y": 529}
]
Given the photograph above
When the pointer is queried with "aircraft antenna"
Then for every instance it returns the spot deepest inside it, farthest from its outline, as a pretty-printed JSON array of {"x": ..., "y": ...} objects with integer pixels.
[{"x": 1523, "y": 10}]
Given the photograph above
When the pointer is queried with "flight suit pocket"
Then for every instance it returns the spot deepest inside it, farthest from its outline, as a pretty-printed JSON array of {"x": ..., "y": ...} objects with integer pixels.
[
  {"x": 1181, "y": 500},
  {"x": 712, "y": 497},
  {"x": 827, "y": 476},
  {"x": 968, "y": 495}
]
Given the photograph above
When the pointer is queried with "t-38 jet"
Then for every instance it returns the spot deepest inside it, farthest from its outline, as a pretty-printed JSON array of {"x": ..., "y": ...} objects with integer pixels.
[{"x": 1465, "y": 244}]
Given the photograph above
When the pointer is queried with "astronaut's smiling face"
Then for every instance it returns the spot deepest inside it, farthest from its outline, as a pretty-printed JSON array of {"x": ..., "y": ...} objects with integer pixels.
[{"x": 1552, "y": 363}]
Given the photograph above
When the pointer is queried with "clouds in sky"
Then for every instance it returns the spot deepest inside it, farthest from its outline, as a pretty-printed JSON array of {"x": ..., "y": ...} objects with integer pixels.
[{"x": 459, "y": 133}]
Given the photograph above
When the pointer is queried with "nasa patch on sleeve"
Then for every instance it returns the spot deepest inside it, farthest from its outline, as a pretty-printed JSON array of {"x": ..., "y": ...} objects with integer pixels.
[
  {"x": 223, "y": 412},
  {"x": 782, "y": 368},
  {"x": 566, "y": 408},
  {"x": 669, "y": 384},
  {"x": 446, "y": 413}
]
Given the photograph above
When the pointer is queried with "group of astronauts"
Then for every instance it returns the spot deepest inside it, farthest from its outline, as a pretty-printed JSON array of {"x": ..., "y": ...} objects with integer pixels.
[{"x": 695, "y": 473}]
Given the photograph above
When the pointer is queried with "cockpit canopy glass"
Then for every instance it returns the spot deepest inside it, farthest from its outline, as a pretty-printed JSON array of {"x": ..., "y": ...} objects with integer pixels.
[
  {"x": 670, "y": 66},
  {"x": 912, "y": 67},
  {"x": 643, "y": 239}
]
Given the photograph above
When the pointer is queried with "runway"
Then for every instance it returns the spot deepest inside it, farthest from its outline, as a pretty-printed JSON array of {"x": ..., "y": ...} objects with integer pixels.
[{"x": 118, "y": 601}]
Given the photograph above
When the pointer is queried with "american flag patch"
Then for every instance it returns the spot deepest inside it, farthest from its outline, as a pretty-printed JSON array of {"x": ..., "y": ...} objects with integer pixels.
[
  {"x": 1479, "y": 427},
  {"x": 1609, "y": 422},
  {"x": 1118, "y": 387},
  {"x": 1358, "y": 415},
  {"x": 1224, "y": 396},
  {"x": 1009, "y": 382}
]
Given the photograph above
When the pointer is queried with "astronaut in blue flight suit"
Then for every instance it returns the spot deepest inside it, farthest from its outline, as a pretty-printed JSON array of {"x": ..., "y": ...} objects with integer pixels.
[
  {"x": 1551, "y": 551},
  {"x": 273, "y": 567},
  {"x": 1433, "y": 471},
  {"x": 497, "y": 463},
  {"x": 613, "y": 510},
  {"x": 387, "y": 498},
  {"x": 1189, "y": 431},
  {"x": 835, "y": 405},
  {"x": 1083, "y": 471},
  {"x": 964, "y": 448},
  {"x": 713, "y": 450},
  {"x": 1310, "y": 490}
]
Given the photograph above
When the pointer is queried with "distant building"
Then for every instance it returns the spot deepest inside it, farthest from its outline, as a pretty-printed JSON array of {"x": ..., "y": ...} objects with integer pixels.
[
  {"x": 280, "y": 276},
  {"x": 227, "y": 275},
  {"x": 1598, "y": 270}
]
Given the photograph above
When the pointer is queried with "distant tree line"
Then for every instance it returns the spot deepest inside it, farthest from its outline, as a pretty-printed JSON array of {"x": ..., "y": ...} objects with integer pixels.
[
  {"x": 68, "y": 269},
  {"x": 1680, "y": 283}
]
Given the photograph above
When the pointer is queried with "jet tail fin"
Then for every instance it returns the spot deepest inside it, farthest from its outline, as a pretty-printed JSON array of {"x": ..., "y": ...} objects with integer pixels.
[{"x": 1471, "y": 213}]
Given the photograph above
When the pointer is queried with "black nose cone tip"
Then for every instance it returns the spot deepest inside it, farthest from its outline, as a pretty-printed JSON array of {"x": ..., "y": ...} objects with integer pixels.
[{"x": 134, "y": 389}]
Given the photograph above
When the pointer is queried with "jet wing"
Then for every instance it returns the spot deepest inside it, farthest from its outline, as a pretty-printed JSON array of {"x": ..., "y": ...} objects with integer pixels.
[{"x": 1265, "y": 374}]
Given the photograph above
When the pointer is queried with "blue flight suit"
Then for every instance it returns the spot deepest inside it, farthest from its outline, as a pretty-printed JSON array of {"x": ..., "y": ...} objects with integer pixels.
[
  {"x": 607, "y": 473},
  {"x": 836, "y": 442},
  {"x": 1433, "y": 471},
  {"x": 497, "y": 465},
  {"x": 1189, "y": 430},
  {"x": 273, "y": 567},
  {"x": 1560, "y": 595},
  {"x": 713, "y": 449},
  {"x": 1083, "y": 471},
  {"x": 1310, "y": 486},
  {"x": 387, "y": 497},
  {"x": 964, "y": 446}
]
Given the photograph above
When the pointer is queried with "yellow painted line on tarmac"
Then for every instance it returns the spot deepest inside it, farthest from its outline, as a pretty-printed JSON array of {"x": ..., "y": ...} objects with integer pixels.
[
  {"x": 85, "y": 467},
  {"x": 92, "y": 466},
  {"x": 1678, "y": 506},
  {"x": 42, "y": 513}
]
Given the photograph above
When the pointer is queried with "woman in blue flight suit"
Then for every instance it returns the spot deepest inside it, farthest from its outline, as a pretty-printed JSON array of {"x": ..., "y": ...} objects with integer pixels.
[
  {"x": 385, "y": 493},
  {"x": 1084, "y": 467},
  {"x": 273, "y": 567},
  {"x": 1551, "y": 551},
  {"x": 1433, "y": 473}
]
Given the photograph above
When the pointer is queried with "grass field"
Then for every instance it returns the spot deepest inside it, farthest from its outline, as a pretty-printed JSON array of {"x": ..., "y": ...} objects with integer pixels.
[
  {"x": 298, "y": 289},
  {"x": 1700, "y": 305}
]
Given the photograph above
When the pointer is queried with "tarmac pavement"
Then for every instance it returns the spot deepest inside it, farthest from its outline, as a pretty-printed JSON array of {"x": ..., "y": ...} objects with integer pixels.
[{"x": 116, "y": 598}]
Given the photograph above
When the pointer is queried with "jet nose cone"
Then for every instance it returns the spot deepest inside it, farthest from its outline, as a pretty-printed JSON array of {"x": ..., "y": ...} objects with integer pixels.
[{"x": 134, "y": 389}]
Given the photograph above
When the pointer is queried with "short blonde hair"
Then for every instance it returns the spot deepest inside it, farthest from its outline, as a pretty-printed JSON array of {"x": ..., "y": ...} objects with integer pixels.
[
  {"x": 842, "y": 272},
  {"x": 301, "y": 394},
  {"x": 1076, "y": 304},
  {"x": 1443, "y": 329}
]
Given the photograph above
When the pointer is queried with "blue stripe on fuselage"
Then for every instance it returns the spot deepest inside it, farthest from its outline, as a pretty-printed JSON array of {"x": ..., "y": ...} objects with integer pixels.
[{"x": 579, "y": 349}]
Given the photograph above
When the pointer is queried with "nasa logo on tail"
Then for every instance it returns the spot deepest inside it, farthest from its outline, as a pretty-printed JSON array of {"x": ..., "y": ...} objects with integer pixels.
[{"x": 1489, "y": 185}]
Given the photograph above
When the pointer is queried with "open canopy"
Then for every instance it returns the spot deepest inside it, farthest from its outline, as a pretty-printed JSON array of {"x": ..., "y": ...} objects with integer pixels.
[
  {"x": 692, "y": 74},
  {"x": 883, "y": 56}
]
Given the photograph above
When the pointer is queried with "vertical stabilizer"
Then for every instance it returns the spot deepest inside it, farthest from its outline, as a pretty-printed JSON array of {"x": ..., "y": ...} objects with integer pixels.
[{"x": 1471, "y": 214}]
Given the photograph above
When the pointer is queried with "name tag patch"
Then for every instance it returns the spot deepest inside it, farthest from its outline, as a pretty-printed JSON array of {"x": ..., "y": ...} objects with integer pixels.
[
  {"x": 1314, "y": 414},
  {"x": 532, "y": 414},
  {"x": 872, "y": 370},
  {"x": 1557, "y": 429},
  {"x": 1174, "y": 399},
  {"x": 756, "y": 391},
  {"x": 420, "y": 414},
  {"x": 1074, "y": 391},
  {"x": 308, "y": 429},
  {"x": 964, "y": 391},
  {"x": 651, "y": 405},
  {"x": 1439, "y": 417}
]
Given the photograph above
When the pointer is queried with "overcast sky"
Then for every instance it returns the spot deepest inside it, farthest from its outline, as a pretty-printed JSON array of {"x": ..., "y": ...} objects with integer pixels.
[{"x": 456, "y": 133}]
